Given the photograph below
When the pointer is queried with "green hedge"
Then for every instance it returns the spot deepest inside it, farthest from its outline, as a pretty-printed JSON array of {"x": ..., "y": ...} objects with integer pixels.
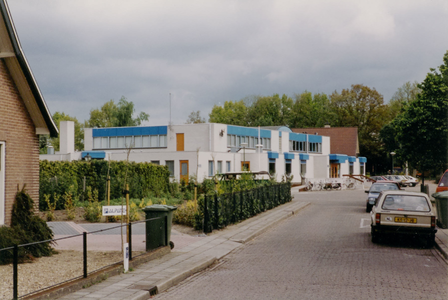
[
  {"x": 218, "y": 211},
  {"x": 58, "y": 177}
]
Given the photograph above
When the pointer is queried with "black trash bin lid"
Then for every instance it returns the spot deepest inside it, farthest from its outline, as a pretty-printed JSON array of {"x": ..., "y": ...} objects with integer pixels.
[{"x": 160, "y": 207}]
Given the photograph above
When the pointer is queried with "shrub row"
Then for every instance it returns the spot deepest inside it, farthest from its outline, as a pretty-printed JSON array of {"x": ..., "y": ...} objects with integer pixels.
[
  {"x": 59, "y": 177},
  {"x": 218, "y": 211}
]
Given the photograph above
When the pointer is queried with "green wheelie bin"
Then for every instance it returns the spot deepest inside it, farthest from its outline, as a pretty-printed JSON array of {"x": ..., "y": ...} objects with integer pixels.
[
  {"x": 158, "y": 232},
  {"x": 442, "y": 208}
]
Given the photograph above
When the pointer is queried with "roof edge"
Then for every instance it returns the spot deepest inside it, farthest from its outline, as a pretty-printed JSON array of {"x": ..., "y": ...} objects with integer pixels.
[{"x": 27, "y": 70}]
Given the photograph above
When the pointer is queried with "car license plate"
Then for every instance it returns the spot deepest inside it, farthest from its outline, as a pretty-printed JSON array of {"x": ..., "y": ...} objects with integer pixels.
[{"x": 405, "y": 220}]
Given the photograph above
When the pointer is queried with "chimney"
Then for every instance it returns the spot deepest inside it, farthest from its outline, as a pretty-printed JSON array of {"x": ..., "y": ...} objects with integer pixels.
[{"x": 67, "y": 137}]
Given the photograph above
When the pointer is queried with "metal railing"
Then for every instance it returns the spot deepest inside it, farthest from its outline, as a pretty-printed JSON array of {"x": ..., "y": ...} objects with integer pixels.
[{"x": 85, "y": 270}]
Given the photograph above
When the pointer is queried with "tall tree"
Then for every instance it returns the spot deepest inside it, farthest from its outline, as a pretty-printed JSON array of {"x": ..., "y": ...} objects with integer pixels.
[
  {"x": 113, "y": 115},
  {"x": 311, "y": 111},
  {"x": 195, "y": 118},
  {"x": 422, "y": 128},
  {"x": 364, "y": 108},
  {"x": 406, "y": 93},
  {"x": 233, "y": 113},
  {"x": 270, "y": 111}
]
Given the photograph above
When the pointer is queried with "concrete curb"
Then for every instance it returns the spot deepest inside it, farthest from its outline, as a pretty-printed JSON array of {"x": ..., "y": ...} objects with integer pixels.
[
  {"x": 169, "y": 282},
  {"x": 441, "y": 247}
]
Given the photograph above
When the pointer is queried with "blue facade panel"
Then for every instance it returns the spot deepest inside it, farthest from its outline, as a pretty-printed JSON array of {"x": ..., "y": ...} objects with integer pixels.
[
  {"x": 129, "y": 131},
  {"x": 272, "y": 154},
  {"x": 314, "y": 139},
  {"x": 289, "y": 155},
  {"x": 244, "y": 131},
  {"x": 299, "y": 137}
]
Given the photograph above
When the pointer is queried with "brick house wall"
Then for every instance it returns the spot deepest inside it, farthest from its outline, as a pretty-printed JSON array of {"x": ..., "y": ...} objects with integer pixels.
[{"x": 18, "y": 132}]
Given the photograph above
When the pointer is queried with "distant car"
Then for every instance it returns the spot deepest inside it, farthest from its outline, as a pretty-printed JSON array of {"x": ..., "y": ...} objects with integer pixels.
[
  {"x": 378, "y": 178},
  {"x": 443, "y": 183},
  {"x": 376, "y": 189},
  {"x": 405, "y": 213},
  {"x": 397, "y": 178},
  {"x": 411, "y": 181}
]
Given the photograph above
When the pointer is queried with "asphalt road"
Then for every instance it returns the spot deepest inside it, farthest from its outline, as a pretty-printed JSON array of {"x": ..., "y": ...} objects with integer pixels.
[{"x": 323, "y": 252}]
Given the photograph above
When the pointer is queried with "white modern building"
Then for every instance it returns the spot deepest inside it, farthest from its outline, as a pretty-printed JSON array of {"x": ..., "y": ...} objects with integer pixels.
[{"x": 204, "y": 150}]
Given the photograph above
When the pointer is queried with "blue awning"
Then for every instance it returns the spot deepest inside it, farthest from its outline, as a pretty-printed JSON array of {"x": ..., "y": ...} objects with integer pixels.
[
  {"x": 363, "y": 159},
  {"x": 289, "y": 155},
  {"x": 338, "y": 158},
  {"x": 94, "y": 154},
  {"x": 304, "y": 156},
  {"x": 272, "y": 154},
  {"x": 352, "y": 159}
]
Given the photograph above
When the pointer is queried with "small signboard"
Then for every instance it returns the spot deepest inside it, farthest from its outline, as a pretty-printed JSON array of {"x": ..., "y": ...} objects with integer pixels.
[{"x": 114, "y": 210}]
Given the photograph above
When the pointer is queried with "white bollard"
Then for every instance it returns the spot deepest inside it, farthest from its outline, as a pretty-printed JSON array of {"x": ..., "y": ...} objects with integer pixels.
[{"x": 126, "y": 257}]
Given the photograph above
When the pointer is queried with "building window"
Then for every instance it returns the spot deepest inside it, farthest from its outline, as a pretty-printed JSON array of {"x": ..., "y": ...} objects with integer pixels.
[
  {"x": 120, "y": 142},
  {"x": 105, "y": 142},
  {"x": 351, "y": 169},
  {"x": 162, "y": 142},
  {"x": 315, "y": 147},
  {"x": 156, "y": 162},
  {"x": 228, "y": 166},
  {"x": 362, "y": 169},
  {"x": 170, "y": 165},
  {"x": 303, "y": 167},
  {"x": 97, "y": 142},
  {"x": 252, "y": 142},
  {"x": 210, "y": 168},
  {"x": 219, "y": 167},
  {"x": 288, "y": 167},
  {"x": 138, "y": 141},
  {"x": 154, "y": 141},
  {"x": 272, "y": 166},
  {"x": 128, "y": 142}
]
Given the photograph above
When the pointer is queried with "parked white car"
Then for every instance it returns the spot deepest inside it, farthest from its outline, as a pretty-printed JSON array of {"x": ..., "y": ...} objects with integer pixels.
[
  {"x": 411, "y": 181},
  {"x": 404, "y": 213}
]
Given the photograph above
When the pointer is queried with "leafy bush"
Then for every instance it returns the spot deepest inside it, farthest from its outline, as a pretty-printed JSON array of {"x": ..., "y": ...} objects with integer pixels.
[
  {"x": 25, "y": 228},
  {"x": 93, "y": 210},
  {"x": 70, "y": 208},
  {"x": 185, "y": 214}
]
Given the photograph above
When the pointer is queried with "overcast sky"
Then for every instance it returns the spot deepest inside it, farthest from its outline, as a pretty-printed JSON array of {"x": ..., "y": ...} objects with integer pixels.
[{"x": 204, "y": 52}]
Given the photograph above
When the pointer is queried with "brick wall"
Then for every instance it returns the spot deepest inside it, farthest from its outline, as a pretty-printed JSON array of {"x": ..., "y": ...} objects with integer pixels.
[{"x": 22, "y": 144}]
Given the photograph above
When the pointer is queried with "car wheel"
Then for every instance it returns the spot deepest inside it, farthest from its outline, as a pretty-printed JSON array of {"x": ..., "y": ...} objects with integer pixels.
[
  {"x": 368, "y": 208},
  {"x": 375, "y": 237}
]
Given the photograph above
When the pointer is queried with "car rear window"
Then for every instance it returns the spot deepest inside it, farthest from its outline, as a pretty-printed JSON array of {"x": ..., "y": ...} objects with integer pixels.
[
  {"x": 444, "y": 180},
  {"x": 406, "y": 203},
  {"x": 384, "y": 187}
]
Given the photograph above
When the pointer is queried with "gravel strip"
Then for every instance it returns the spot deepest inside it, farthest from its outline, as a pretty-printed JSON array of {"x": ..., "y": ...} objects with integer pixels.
[{"x": 47, "y": 271}]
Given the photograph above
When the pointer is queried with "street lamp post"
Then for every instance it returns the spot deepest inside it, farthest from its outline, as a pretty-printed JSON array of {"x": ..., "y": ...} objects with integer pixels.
[
  {"x": 244, "y": 145},
  {"x": 392, "y": 154}
]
